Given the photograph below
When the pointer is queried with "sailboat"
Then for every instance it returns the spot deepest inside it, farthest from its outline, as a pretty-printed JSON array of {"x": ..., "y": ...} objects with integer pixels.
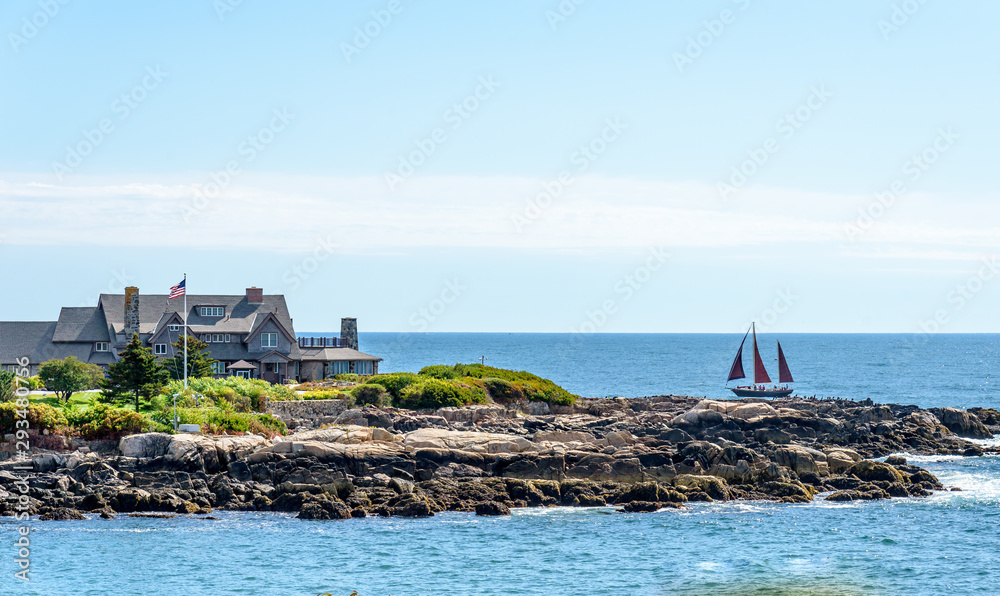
[{"x": 762, "y": 386}]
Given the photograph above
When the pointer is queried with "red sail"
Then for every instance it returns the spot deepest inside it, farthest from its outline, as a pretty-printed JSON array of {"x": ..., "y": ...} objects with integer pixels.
[
  {"x": 784, "y": 375},
  {"x": 736, "y": 371},
  {"x": 759, "y": 372}
]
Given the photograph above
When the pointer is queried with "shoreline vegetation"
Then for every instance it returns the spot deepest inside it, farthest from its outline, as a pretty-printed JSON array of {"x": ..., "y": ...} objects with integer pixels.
[{"x": 466, "y": 437}]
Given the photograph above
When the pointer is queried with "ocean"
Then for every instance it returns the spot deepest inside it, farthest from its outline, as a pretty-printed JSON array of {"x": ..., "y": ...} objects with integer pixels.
[{"x": 945, "y": 544}]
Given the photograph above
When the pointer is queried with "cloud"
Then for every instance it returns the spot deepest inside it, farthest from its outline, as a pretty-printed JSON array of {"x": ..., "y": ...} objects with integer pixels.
[{"x": 288, "y": 213}]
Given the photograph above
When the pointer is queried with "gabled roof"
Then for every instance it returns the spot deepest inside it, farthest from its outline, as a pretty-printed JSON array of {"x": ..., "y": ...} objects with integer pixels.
[
  {"x": 240, "y": 314},
  {"x": 260, "y": 319},
  {"x": 241, "y": 365},
  {"x": 84, "y": 324}
]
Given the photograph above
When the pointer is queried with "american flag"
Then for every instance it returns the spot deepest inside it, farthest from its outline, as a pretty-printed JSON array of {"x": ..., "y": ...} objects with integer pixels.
[{"x": 177, "y": 291}]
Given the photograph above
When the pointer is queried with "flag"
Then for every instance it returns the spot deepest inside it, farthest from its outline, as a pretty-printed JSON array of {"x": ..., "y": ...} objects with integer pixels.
[{"x": 177, "y": 291}]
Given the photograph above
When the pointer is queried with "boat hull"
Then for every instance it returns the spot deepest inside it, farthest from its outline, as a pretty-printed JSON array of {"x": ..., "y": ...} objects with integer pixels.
[{"x": 744, "y": 392}]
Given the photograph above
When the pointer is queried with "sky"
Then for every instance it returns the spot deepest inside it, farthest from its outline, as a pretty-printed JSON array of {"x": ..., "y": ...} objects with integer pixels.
[{"x": 525, "y": 166}]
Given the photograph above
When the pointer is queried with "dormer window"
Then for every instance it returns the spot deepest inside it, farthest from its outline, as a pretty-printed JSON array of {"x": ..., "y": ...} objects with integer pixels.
[
  {"x": 174, "y": 327},
  {"x": 212, "y": 311},
  {"x": 102, "y": 346},
  {"x": 269, "y": 340}
]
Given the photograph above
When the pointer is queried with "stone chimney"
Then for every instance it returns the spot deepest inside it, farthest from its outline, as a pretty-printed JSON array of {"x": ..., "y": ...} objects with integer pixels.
[
  {"x": 349, "y": 332},
  {"x": 131, "y": 312},
  {"x": 255, "y": 295}
]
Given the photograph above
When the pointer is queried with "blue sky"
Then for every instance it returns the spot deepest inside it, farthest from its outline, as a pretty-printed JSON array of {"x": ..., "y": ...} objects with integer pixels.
[{"x": 510, "y": 166}]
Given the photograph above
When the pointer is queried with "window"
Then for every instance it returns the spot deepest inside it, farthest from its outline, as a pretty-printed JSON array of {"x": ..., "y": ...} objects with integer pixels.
[
  {"x": 229, "y": 338},
  {"x": 269, "y": 340},
  {"x": 160, "y": 349},
  {"x": 217, "y": 338},
  {"x": 220, "y": 368},
  {"x": 102, "y": 346},
  {"x": 212, "y": 311},
  {"x": 174, "y": 327}
]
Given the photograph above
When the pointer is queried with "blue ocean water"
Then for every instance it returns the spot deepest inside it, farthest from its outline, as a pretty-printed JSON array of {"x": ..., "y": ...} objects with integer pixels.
[
  {"x": 945, "y": 544},
  {"x": 926, "y": 370}
]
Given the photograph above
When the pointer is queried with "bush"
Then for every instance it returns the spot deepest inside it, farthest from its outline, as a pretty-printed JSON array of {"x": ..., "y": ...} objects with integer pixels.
[
  {"x": 243, "y": 395},
  {"x": 106, "y": 422},
  {"x": 217, "y": 421},
  {"x": 354, "y": 378},
  {"x": 503, "y": 391},
  {"x": 326, "y": 393},
  {"x": 533, "y": 387},
  {"x": 40, "y": 417},
  {"x": 7, "y": 385},
  {"x": 35, "y": 383},
  {"x": 371, "y": 395},
  {"x": 395, "y": 383},
  {"x": 439, "y": 393}
]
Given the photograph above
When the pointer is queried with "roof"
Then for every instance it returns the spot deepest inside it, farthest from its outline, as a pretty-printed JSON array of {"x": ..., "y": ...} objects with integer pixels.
[
  {"x": 241, "y": 365},
  {"x": 84, "y": 324},
  {"x": 33, "y": 340},
  {"x": 331, "y": 354},
  {"x": 240, "y": 314}
]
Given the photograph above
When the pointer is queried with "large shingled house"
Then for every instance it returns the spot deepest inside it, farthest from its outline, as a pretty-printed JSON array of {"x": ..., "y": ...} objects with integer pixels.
[{"x": 250, "y": 335}]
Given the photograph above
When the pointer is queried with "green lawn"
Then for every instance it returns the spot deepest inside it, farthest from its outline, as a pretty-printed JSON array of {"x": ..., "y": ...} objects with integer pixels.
[{"x": 81, "y": 400}]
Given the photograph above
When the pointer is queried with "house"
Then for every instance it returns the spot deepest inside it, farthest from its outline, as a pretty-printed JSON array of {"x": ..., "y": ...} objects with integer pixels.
[{"x": 250, "y": 335}]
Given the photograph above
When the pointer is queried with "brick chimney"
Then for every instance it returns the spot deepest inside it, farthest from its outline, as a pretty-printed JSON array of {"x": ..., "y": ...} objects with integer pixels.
[
  {"x": 349, "y": 332},
  {"x": 255, "y": 295},
  {"x": 131, "y": 312}
]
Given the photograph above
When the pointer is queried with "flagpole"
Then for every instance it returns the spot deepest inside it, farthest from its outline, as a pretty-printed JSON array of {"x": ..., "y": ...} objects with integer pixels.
[{"x": 185, "y": 332}]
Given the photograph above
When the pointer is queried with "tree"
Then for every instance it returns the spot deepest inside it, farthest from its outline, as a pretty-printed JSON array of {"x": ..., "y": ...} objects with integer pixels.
[
  {"x": 69, "y": 375},
  {"x": 200, "y": 364},
  {"x": 137, "y": 374}
]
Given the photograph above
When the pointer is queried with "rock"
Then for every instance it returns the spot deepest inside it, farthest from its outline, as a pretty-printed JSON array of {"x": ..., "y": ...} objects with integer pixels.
[
  {"x": 563, "y": 436},
  {"x": 710, "y": 485},
  {"x": 855, "y": 495},
  {"x": 413, "y": 506},
  {"x": 323, "y": 510},
  {"x": 107, "y": 515},
  {"x": 841, "y": 460},
  {"x": 962, "y": 423},
  {"x": 698, "y": 419},
  {"x": 895, "y": 460},
  {"x": 641, "y": 507},
  {"x": 870, "y": 471},
  {"x": 798, "y": 459},
  {"x": 748, "y": 411},
  {"x": 675, "y": 435},
  {"x": 620, "y": 438},
  {"x": 146, "y": 445},
  {"x": 491, "y": 508},
  {"x": 62, "y": 514}
]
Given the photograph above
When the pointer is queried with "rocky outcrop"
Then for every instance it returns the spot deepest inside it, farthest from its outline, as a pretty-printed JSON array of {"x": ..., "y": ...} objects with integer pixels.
[{"x": 641, "y": 454}]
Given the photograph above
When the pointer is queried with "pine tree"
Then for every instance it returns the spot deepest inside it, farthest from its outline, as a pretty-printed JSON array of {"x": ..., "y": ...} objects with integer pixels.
[
  {"x": 200, "y": 364},
  {"x": 137, "y": 374}
]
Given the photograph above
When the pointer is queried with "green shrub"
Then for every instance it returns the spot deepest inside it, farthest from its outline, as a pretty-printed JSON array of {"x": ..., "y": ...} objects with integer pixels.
[
  {"x": 325, "y": 393},
  {"x": 533, "y": 387},
  {"x": 371, "y": 395},
  {"x": 503, "y": 391},
  {"x": 216, "y": 420},
  {"x": 107, "y": 422},
  {"x": 40, "y": 417},
  {"x": 7, "y": 385},
  {"x": 440, "y": 393},
  {"x": 244, "y": 395},
  {"x": 354, "y": 378},
  {"x": 440, "y": 371},
  {"x": 394, "y": 383},
  {"x": 35, "y": 383}
]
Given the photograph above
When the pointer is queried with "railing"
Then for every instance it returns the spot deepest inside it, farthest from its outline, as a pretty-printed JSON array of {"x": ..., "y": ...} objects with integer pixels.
[{"x": 322, "y": 342}]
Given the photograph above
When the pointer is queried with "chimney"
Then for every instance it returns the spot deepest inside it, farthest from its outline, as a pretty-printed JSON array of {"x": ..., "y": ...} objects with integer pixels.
[
  {"x": 131, "y": 312},
  {"x": 255, "y": 295},
  {"x": 349, "y": 332}
]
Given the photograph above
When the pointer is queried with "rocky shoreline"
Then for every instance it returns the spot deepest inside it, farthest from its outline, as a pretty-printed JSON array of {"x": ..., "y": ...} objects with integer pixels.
[{"x": 643, "y": 454}]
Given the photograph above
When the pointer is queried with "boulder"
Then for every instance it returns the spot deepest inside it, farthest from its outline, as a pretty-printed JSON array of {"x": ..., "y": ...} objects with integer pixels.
[
  {"x": 322, "y": 510},
  {"x": 710, "y": 485},
  {"x": 963, "y": 423},
  {"x": 798, "y": 458},
  {"x": 62, "y": 514},
  {"x": 641, "y": 507},
  {"x": 748, "y": 411},
  {"x": 871, "y": 471},
  {"x": 563, "y": 436},
  {"x": 492, "y": 508}
]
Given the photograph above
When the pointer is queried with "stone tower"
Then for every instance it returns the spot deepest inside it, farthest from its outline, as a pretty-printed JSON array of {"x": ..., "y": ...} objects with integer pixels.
[
  {"x": 349, "y": 332},
  {"x": 131, "y": 312}
]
